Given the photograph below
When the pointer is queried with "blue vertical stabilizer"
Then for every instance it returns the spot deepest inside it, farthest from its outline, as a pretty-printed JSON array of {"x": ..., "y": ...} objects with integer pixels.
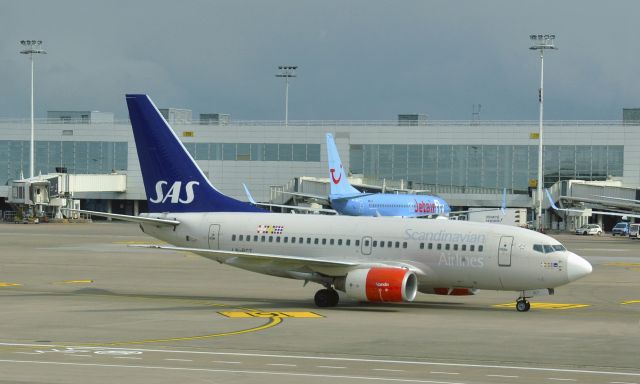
[
  {"x": 172, "y": 179},
  {"x": 340, "y": 186}
]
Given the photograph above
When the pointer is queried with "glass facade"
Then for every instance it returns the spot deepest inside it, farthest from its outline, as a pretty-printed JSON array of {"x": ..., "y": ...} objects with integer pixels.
[
  {"x": 76, "y": 156},
  {"x": 485, "y": 166},
  {"x": 254, "y": 151}
]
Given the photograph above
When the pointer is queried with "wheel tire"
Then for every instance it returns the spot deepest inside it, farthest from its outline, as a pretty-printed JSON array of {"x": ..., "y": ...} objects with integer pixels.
[
  {"x": 584, "y": 233},
  {"x": 326, "y": 298},
  {"x": 528, "y": 307},
  {"x": 522, "y": 306}
]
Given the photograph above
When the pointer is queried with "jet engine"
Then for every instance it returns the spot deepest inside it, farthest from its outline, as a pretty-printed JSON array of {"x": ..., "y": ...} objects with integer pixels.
[{"x": 379, "y": 284}]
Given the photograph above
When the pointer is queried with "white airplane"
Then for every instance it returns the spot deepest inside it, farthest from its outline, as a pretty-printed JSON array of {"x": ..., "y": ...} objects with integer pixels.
[{"x": 382, "y": 259}]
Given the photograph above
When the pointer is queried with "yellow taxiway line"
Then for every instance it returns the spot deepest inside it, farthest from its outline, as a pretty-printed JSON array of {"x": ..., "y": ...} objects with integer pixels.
[{"x": 545, "y": 305}]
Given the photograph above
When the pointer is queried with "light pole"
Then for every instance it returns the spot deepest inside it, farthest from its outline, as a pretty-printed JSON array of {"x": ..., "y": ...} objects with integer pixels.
[
  {"x": 31, "y": 47},
  {"x": 286, "y": 71},
  {"x": 540, "y": 43}
]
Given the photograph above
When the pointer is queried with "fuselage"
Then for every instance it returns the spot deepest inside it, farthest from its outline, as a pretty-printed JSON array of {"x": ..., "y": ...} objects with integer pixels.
[
  {"x": 384, "y": 204},
  {"x": 442, "y": 253}
]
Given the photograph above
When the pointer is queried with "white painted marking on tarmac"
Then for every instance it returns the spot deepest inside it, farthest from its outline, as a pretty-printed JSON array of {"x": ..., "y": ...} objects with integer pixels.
[
  {"x": 354, "y": 359},
  {"x": 370, "y": 378},
  {"x": 388, "y": 370},
  {"x": 504, "y": 376},
  {"x": 28, "y": 353},
  {"x": 226, "y": 362},
  {"x": 559, "y": 379},
  {"x": 444, "y": 373},
  {"x": 128, "y": 357},
  {"x": 601, "y": 249},
  {"x": 282, "y": 365},
  {"x": 75, "y": 354},
  {"x": 621, "y": 382},
  {"x": 178, "y": 360},
  {"x": 331, "y": 367}
]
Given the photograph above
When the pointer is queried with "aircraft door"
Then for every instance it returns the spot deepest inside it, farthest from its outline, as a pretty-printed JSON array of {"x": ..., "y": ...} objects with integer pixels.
[
  {"x": 214, "y": 236},
  {"x": 504, "y": 251},
  {"x": 365, "y": 245}
]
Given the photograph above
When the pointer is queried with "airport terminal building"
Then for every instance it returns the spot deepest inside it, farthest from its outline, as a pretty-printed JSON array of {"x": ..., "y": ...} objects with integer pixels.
[{"x": 466, "y": 162}]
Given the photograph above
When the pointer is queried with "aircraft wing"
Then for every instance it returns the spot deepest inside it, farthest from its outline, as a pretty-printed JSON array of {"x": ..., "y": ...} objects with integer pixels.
[
  {"x": 134, "y": 219},
  {"x": 289, "y": 264}
]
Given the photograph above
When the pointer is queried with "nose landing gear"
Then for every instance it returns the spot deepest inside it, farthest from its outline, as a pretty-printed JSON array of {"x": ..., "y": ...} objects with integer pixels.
[{"x": 522, "y": 305}]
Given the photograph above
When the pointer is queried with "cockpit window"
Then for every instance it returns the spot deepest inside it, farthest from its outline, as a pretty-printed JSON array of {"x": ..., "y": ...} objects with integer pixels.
[
  {"x": 559, "y": 248},
  {"x": 548, "y": 249},
  {"x": 538, "y": 248}
]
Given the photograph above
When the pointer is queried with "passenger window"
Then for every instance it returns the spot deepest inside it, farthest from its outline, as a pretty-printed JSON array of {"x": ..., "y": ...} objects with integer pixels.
[
  {"x": 277, "y": 239},
  {"x": 439, "y": 246},
  {"x": 248, "y": 237},
  {"x": 315, "y": 241},
  {"x": 375, "y": 243},
  {"x": 339, "y": 241},
  {"x": 430, "y": 246},
  {"x": 464, "y": 247},
  {"x": 300, "y": 240},
  {"x": 389, "y": 244},
  {"x": 421, "y": 245},
  {"x": 324, "y": 241},
  {"x": 471, "y": 247},
  {"x": 262, "y": 238},
  {"x": 404, "y": 244},
  {"x": 271, "y": 239},
  {"x": 358, "y": 243},
  {"x": 446, "y": 247},
  {"x": 241, "y": 237},
  {"x": 382, "y": 244},
  {"x": 286, "y": 239},
  {"x": 398, "y": 244},
  {"x": 366, "y": 242},
  {"x": 233, "y": 237},
  {"x": 293, "y": 239},
  {"x": 455, "y": 247},
  {"x": 330, "y": 241},
  {"x": 255, "y": 238},
  {"x": 480, "y": 248},
  {"x": 349, "y": 242}
]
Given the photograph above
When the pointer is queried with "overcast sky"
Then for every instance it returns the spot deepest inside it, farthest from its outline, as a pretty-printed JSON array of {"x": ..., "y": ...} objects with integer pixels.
[{"x": 358, "y": 60}]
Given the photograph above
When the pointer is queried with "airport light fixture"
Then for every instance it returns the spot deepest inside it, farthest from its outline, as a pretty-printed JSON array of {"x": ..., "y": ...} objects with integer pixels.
[
  {"x": 540, "y": 43},
  {"x": 286, "y": 71},
  {"x": 32, "y": 47}
]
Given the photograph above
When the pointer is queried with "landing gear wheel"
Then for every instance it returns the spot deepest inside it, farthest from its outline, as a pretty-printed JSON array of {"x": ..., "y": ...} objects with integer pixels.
[
  {"x": 326, "y": 298},
  {"x": 523, "y": 305}
]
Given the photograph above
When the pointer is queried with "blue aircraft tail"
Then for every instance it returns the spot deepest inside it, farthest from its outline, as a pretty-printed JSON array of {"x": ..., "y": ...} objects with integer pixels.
[
  {"x": 340, "y": 187},
  {"x": 172, "y": 179}
]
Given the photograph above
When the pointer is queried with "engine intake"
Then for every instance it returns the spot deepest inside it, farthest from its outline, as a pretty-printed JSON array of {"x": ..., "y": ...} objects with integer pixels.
[{"x": 379, "y": 284}]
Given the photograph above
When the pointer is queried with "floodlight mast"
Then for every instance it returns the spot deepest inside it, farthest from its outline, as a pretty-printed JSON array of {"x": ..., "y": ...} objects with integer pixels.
[
  {"x": 286, "y": 71},
  {"x": 540, "y": 43},
  {"x": 32, "y": 47}
]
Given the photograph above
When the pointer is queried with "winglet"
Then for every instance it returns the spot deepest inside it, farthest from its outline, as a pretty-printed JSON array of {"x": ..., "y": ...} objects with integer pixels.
[
  {"x": 249, "y": 197},
  {"x": 553, "y": 205}
]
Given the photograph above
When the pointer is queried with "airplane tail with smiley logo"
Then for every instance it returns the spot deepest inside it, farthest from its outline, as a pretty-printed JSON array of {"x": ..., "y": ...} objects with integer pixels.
[
  {"x": 340, "y": 187},
  {"x": 172, "y": 180}
]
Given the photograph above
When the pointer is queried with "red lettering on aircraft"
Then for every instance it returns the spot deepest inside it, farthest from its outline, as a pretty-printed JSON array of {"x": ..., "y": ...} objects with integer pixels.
[{"x": 425, "y": 207}]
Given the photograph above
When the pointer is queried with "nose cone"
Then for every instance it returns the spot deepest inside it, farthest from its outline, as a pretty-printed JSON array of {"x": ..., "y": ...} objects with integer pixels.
[{"x": 577, "y": 267}]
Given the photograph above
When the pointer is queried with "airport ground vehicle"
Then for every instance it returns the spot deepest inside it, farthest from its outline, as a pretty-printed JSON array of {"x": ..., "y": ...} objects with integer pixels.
[
  {"x": 622, "y": 229},
  {"x": 589, "y": 229},
  {"x": 634, "y": 231}
]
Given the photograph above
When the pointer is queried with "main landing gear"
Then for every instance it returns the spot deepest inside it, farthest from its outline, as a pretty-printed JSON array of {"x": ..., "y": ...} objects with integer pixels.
[
  {"x": 522, "y": 305},
  {"x": 327, "y": 297}
]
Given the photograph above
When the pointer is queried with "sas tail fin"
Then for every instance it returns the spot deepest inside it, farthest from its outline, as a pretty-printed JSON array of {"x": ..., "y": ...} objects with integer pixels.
[
  {"x": 172, "y": 179},
  {"x": 339, "y": 184}
]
